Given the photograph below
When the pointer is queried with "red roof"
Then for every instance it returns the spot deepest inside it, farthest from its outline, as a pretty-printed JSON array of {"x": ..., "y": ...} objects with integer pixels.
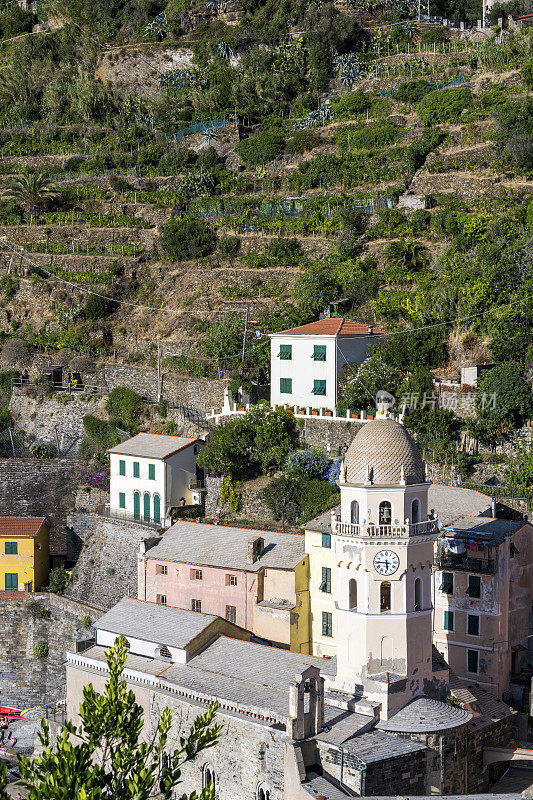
[
  {"x": 334, "y": 326},
  {"x": 21, "y": 526}
]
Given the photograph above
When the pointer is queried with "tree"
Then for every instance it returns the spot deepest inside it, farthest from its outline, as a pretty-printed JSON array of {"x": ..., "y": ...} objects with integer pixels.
[
  {"x": 58, "y": 580},
  {"x": 229, "y": 247},
  {"x": 504, "y": 394},
  {"x": 259, "y": 149},
  {"x": 101, "y": 435},
  {"x": 434, "y": 428},
  {"x": 184, "y": 239},
  {"x": 96, "y": 307},
  {"x": 281, "y": 496},
  {"x": 360, "y": 383},
  {"x": 110, "y": 757},
  {"x": 407, "y": 255},
  {"x": 228, "y": 448},
  {"x": 31, "y": 190},
  {"x": 125, "y": 408},
  {"x": 315, "y": 289}
]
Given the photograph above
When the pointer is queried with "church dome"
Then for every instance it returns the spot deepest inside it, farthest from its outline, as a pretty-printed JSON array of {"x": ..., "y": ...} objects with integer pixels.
[{"x": 383, "y": 447}]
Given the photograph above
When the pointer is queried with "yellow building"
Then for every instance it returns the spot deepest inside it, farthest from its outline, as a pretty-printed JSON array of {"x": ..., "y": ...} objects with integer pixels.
[{"x": 24, "y": 553}]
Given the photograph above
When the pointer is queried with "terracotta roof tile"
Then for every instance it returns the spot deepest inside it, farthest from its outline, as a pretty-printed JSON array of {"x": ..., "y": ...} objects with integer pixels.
[
  {"x": 21, "y": 526},
  {"x": 333, "y": 326}
]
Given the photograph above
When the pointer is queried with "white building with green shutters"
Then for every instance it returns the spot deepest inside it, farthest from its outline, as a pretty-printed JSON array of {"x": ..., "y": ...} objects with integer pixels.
[
  {"x": 150, "y": 474},
  {"x": 306, "y": 362}
]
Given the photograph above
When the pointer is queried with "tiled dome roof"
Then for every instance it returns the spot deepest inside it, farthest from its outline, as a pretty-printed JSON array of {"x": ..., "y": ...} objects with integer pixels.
[
  {"x": 424, "y": 715},
  {"x": 385, "y": 447}
]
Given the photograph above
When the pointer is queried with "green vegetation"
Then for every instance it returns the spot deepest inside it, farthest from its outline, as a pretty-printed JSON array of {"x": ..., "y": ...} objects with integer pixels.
[
  {"x": 125, "y": 408},
  {"x": 261, "y": 148},
  {"x": 58, "y": 580},
  {"x": 184, "y": 239},
  {"x": 445, "y": 105}
]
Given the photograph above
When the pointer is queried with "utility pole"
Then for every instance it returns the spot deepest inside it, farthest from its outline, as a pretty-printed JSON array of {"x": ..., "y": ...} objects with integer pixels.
[
  {"x": 419, "y": 9},
  {"x": 158, "y": 371},
  {"x": 244, "y": 337}
]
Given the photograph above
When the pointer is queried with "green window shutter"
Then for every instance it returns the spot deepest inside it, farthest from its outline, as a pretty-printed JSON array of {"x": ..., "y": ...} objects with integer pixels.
[
  {"x": 12, "y": 581},
  {"x": 11, "y": 548},
  {"x": 319, "y": 387},
  {"x": 157, "y": 508},
  {"x": 448, "y": 620},
  {"x": 326, "y": 540},
  {"x": 474, "y": 586},
  {"x": 151, "y": 472},
  {"x": 447, "y": 583},
  {"x": 472, "y": 657},
  {"x": 146, "y": 503},
  {"x": 327, "y": 623},
  {"x": 137, "y": 505},
  {"x": 121, "y": 467},
  {"x": 121, "y": 500},
  {"x": 325, "y": 586},
  {"x": 472, "y": 627},
  {"x": 319, "y": 352},
  {"x": 285, "y": 352},
  {"x": 285, "y": 385},
  {"x": 136, "y": 470}
]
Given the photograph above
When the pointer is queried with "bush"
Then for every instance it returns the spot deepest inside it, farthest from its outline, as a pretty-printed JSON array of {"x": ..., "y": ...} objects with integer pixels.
[
  {"x": 95, "y": 307},
  {"x": 512, "y": 394},
  {"x": 260, "y": 149},
  {"x": 125, "y": 407},
  {"x": 282, "y": 497},
  {"x": 85, "y": 622},
  {"x": 16, "y": 21},
  {"x": 308, "y": 464},
  {"x": 360, "y": 383},
  {"x": 412, "y": 91},
  {"x": 377, "y": 134},
  {"x": 286, "y": 251},
  {"x": 58, "y": 580},
  {"x": 420, "y": 220},
  {"x": 302, "y": 141},
  {"x": 444, "y": 105},
  {"x": 44, "y": 613},
  {"x": 184, "y": 239},
  {"x": 43, "y": 450},
  {"x": 101, "y": 434},
  {"x": 527, "y": 73},
  {"x": 40, "y": 650},
  {"x": 317, "y": 497},
  {"x": 229, "y": 247},
  {"x": 315, "y": 289},
  {"x": 349, "y": 105},
  {"x": 434, "y": 36}
]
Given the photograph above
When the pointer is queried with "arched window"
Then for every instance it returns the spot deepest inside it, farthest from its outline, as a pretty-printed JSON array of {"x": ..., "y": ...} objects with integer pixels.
[
  {"x": 263, "y": 792},
  {"x": 385, "y": 596},
  {"x": 208, "y": 776},
  {"x": 355, "y": 512},
  {"x": 415, "y": 511},
  {"x": 157, "y": 508},
  {"x": 352, "y": 594},
  {"x": 418, "y": 594},
  {"x": 146, "y": 504},
  {"x": 385, "y": 513}
]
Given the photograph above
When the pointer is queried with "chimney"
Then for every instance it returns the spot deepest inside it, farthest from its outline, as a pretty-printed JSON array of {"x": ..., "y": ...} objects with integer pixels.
[
  {"x": 255, "y": 550},
  {"x": 371, "y": 329},
  {"x": 493, "y": 507}
]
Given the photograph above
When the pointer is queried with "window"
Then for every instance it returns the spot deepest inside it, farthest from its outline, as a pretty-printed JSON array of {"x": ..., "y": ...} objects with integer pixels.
[
  {"x": 385, "y": 513},
  {"x": 231, "y": 613},
  {"x": 385, "y": 596},
  {"x": 208, "y": 776},
  {"x": 285, "y": 352},
  {"x": 12, "y": 581},
  {"x": 474, "y": 586},
  {"x": 418, "y": 594},
  {"x": 157, "y": 508},
  {"x": 446, "y": 585},
  {"x": 354, "y": 512},
  {"x": 472, "y": 624},
  {"x": 231, "y": 580},
  {"x": 136, "y": 469},
  {"x": 11, "y": 548},
  {"x": 472, "y": 658},
  {"x": 319, "y": 352},
  {"x": 151, "y": 472},
  {"x": 415, "y": 511},
  {"x": 327, "y": 623},
  {"x": 319, "y": 387},
  {"x": 161, "y": 569},
  {"x": 198, "y": 574},
  {"x": 326, "y": 540},
  {"x": 285, "y": 385},
  {"x": 513, "y": 550},
  {"x": 121, "y": 467},
  {"x": 325, "y": 586},
  {"x": 448, "y": 621},
  {"x": 263, "y": 793},
  {"x": 352, "y": 594},
  {"x": 164, "y": 651},
  {"x": 196, "y": 605},
  {"x": 121, "y": 500},
  {"x": 161, "y": 599}
]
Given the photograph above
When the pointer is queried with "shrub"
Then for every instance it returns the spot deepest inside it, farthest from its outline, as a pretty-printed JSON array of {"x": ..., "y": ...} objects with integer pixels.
[
  {"x": 420, "y": 219},
  {"x": 444, "y": 105},
  {"x": 360, "y": 383},
  {"x": 529, "y": 215},
  {"x": 43, "y": 450},
  {"x": 58, "y": 580},
  {"x": 434, "y": 36},
  {"x": 260, "y": 149},
  {"x": 184, "y": 239},
  {"x": 110, "y": 571},
  {"x": 302, "y": 141},
  {"x": 286, "y": 251},
  {"x": 282, "y": 497},
  {"x": 308, "y": 464},
  {"x": 378, "y": 134},
  {"x": 101, "y": 434},
  {"x": 40, "y": 650},
  {"x": 349, "y": 105},
  {"x": 85, "y": 622},
  {"x": 527, "y": 73},
  {"x": 95, "y": 307},
  {"x": 412, "y": 91},
  {"x": 44, "y": 613},
  {"x": 229, "y": 247},
  {"x": 315, "y": 289},
  {"x": 317, "y": 497},
  {"x": 513, "y": 397},
  {"x": 9, "y": 286},
  {"x": 125, "y": 407}
]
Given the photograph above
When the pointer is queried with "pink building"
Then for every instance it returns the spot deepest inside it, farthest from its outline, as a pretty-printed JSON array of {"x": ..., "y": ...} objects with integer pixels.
[{"x": 258, "y": 580}]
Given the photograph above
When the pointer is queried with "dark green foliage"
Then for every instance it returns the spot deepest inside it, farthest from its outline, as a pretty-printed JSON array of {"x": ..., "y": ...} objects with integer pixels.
[
  {"x": 6, "y": 420},
  {"x": 282, "y": 497},
  {"x": 408, "y": 350},
  {"x": 58, "y": 580},
  {"x": 229, "y": 247},
  {"x": 9, "y": 286},
  {"x": 434, "y": 36},
  {"x": 349, "y": 105},
  {"x": 260, "y": 149},
  {"x": 315, "y": 289},
  {"x": 445, "y": 222},
  {"x": 412, "y": 91},
  {"x": 421, "y": 219},
  {"x": 527, "y": 73},
  {"x": 223, "y": 340},
  {"x": 512, "y": 393},
  {"x": 302, "y": 141},
  {"x": 511, "y": 8},
  {"x": 125, "y": 408},
  {"x": 184, "y": 239},
  {"x": 434, "y": 429},
  {"x": 43, "y": 450},
  {"x": 285, "y": 251},
  {"x": 316, "y": 497},
  {"x": 16, "y": 21},
  {"x": 101, "y": 434},
  {"x": 377, "y": 134},
  {"x": 96, "y": 307},
  {"x": 443, "y": 105}
]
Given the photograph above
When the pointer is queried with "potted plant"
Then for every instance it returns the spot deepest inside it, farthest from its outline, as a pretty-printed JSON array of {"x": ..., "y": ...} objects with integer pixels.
[
  {"x": 315, "y": 412},
  {"x": 354, "y": 414},
  {"x": 370, "y": 416},
  {"x": 301, "y": 411},
  {"x": 328, "y": 413}
]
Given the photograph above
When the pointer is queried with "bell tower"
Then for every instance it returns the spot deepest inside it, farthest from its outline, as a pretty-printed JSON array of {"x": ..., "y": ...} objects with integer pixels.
[{"x": 383, "y": 543}]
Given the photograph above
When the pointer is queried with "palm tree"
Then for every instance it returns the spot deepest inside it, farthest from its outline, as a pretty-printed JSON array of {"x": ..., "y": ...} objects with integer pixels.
[
  {"x": 210, "y": 135},
  {"x": 223, "y": 50},
  {"x": 31, "y": 190},
  {"x": 407, "y": 254}
]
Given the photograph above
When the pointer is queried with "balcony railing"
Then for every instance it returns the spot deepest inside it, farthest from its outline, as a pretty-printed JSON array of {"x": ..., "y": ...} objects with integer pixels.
[
  {"x": 379, "y": 531},
  {"x": 484, "y": 566},
  {"x": 196, "y": 486},
  {"x": 126, "y": 516}
]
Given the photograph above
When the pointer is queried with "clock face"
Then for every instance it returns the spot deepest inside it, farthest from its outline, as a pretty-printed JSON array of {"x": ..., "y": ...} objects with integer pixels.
[{"x": 386, "y": 562}]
